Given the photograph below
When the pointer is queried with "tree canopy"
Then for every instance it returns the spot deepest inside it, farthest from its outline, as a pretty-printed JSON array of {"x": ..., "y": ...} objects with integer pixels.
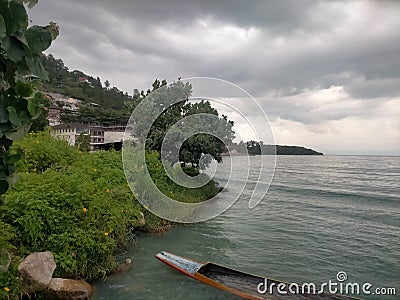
[{"x": 194, "y": 127}]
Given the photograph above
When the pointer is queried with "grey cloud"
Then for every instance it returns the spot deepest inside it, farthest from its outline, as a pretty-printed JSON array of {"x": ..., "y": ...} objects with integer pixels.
[
  {"x": 280, "y": 15},
  {"x": 142, "y": 29},
  {"x": 361, "y": 88},
  {"x": 276, "y": 50}
]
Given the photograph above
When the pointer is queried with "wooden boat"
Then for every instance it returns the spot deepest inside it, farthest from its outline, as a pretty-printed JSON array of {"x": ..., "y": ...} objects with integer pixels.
[{"x": 241, "y": 284}]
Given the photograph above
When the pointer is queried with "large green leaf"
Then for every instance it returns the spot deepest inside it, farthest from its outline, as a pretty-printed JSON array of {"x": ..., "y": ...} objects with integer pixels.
[
  {"x": 23, "y": 89},
  {"x": 36, "y": 105},
  {"x": 3, "y": 186},
  {"x": 24, "y": 117},
  {"x": 33, "y": 110},
  {"x": 20, "y": 35},
  {"x": 3, "y": 175},
  {"x": 3, "y": 115},
  {"x": 35, "y": 66},
  {"x": 18, "y": 133},
  {"x": 39, "y": 39},
  {"x": 4, "y": 141},
  {"x": 13, "y": 116},
  {"x": 12, "y": 159},
  {"x": 3, "y": 31},
  {"x": 14, "y": 49},
  {"x": 16, "y": 17}
]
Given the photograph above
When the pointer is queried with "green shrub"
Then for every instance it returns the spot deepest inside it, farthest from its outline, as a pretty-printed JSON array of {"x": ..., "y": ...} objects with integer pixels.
[
  {"x": 41, "y": 152},
  {"x": 172, "y": 189},
  {"x": 7, "y": 234},
  {"x": 81, "y": 215},
  {"x": 74, "y": 204},
  {"x": 78, "y": 205},
  {"x": 10, "y": 285}
]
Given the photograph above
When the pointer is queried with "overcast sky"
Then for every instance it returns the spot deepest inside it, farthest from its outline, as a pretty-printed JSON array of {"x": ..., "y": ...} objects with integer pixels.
[{"x": 327, "y": 73}]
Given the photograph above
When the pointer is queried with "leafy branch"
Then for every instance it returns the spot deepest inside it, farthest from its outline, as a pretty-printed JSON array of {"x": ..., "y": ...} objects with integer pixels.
[{"x": 21, "y": 103}]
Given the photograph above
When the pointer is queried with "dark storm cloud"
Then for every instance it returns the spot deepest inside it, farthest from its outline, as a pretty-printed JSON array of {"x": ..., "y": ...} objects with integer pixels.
[
  {"x": 277, "y": 15},
  {"x": 299, "y": 44}
]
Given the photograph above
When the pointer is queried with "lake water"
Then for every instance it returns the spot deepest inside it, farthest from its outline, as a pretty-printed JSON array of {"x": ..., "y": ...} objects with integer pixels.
[{"x": 322, "y": 215}]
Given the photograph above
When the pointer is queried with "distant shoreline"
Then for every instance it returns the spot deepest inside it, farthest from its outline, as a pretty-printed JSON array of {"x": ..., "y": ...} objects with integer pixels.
[
  {"x": 258, "y": 149},
  {"x": 328, "y": 154}
]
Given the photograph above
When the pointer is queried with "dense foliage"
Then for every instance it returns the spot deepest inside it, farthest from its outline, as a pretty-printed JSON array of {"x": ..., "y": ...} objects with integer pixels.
[
  {"x": 173, "y": 118},
  {"x": 77, "y": 205},
  {"x": 20, "y": 102},
  {"x": 82, "y": 86},
  {"x": 103, "y": 115},
  {"x": 41, "y": 152}
]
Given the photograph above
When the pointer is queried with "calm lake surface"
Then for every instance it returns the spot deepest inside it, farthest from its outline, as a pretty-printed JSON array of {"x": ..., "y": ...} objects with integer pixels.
[{"x": 322, "y": 215}]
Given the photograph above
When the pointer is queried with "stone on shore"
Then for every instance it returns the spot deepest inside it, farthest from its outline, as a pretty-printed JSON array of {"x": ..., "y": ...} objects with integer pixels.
[
  {"x": 68, "y": 289},
  {"x": 36, "y": 271},
  {"x": 124, "y": 266}
]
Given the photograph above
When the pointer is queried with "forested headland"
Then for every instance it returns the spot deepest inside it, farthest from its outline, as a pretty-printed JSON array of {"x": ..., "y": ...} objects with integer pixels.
[{"x": 259, "y": 148}]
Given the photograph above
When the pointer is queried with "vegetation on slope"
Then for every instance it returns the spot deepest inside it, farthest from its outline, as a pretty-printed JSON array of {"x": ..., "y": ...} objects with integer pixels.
[
  {"x": 78, "y": 206},
  {"x": 79, "y": 85}
]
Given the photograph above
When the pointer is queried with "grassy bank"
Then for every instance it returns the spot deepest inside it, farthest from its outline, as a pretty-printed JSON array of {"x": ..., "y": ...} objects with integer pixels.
[{"x": 78, "y": 206}]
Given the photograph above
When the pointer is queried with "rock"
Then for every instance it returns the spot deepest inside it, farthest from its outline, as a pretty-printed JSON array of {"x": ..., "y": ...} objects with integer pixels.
[
  {"x": 36, "y": 271},
  {"x": 68, "y": 289},
  {"x": 125, "y": 266}
]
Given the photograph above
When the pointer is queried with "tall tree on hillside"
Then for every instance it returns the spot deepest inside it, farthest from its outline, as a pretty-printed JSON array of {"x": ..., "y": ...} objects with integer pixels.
[{"x": 98, "y": 83}]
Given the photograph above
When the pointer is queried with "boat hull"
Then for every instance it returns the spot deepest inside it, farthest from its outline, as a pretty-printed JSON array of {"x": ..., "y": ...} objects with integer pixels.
[{"x": 236, "y": 282}]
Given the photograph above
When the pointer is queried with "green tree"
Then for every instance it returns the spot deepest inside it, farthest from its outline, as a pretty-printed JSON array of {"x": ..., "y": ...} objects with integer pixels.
[
  {"x": 198, "y": 149},
  {"x": 253, "y": 147},
  {"x": 20, "y": 102},
  {"x": 169, "y": 116},
  {"x": 199, "y": 144}
]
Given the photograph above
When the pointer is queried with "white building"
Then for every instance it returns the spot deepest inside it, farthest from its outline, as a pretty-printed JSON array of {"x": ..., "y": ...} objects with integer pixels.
[
  {"x": 70, "y": 132},
  {"x": 100, "y": 136}
]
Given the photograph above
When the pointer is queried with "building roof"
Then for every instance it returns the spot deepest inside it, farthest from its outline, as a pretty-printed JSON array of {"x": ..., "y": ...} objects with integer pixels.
[
  {"x": 71, "y": 125},
  {"x": 120, "y": 128}
]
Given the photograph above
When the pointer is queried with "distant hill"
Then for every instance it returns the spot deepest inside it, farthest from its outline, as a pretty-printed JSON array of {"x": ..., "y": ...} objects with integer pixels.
[
  {"x": 258, "y": 148},
  {"x": 99, "y": 102},
  {"x": 79, "y": 85},
  {"x": 295, "y": 150}
]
